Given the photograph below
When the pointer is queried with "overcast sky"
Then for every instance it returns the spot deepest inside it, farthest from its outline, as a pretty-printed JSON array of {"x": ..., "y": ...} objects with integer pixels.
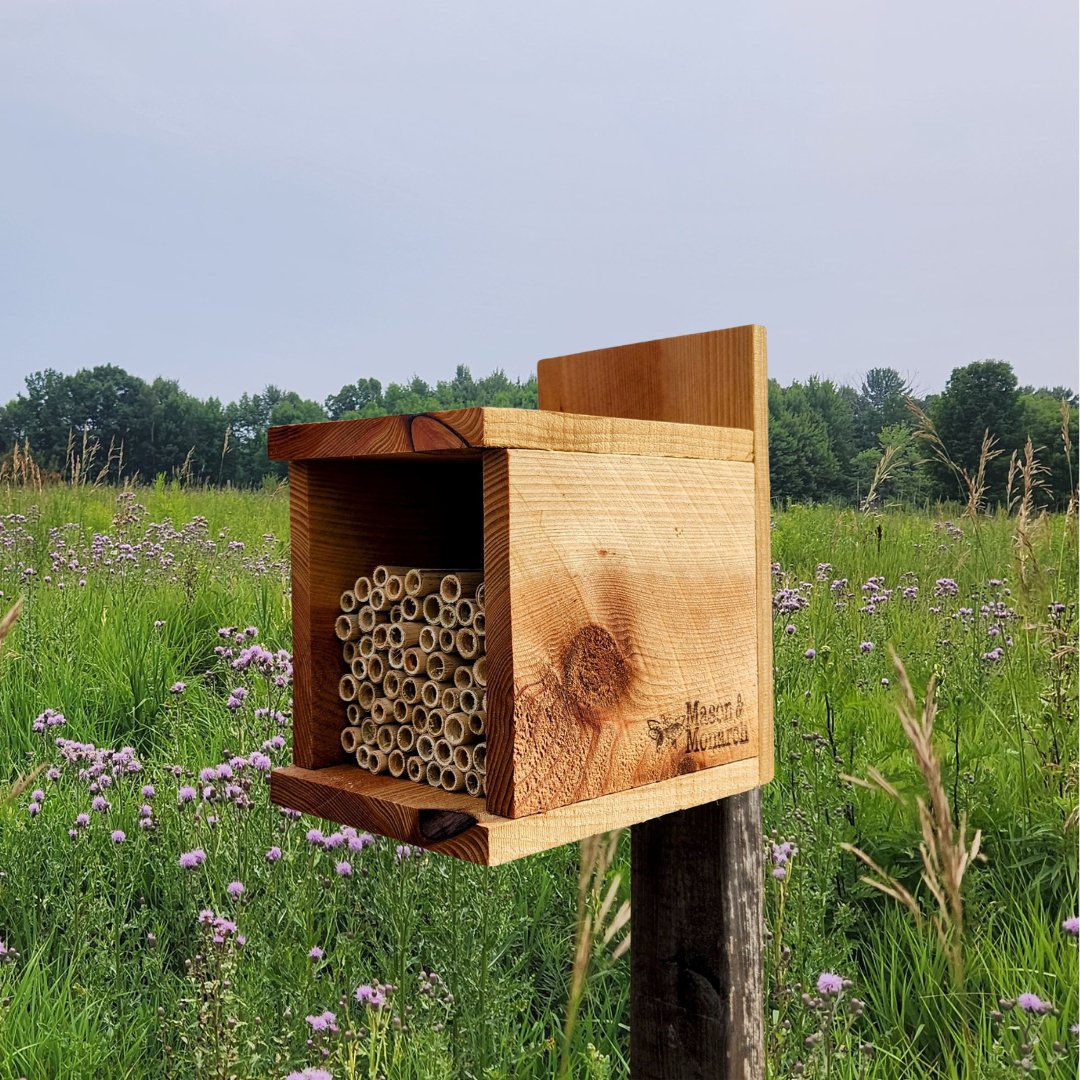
[{"x": 238, "y": 193}]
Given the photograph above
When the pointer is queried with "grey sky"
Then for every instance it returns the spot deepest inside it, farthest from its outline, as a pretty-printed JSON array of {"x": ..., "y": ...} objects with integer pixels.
[{"x": 239, "y": 193}]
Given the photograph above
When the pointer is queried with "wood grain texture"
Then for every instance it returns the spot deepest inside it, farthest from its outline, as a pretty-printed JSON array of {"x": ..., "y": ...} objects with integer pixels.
[
  {"x": 717, "y": 378},
  {"x": 346, "y": 517},
  {"x": 629, "y": 620},
  {"x": 463, "y": 430},
  {"x": 460, "y": 826},
  {"x": 696, "y": 969}
]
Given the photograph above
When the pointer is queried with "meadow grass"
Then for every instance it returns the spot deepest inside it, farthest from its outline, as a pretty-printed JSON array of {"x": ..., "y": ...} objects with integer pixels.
[{"x": 157, "y": 626}]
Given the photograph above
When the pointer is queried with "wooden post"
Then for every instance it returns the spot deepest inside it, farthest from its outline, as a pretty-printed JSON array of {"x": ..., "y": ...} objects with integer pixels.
[{"x": 697, "y": 966}]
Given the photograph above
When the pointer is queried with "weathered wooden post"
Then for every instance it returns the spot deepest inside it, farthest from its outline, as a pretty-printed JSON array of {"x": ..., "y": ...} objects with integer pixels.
[{"x": 623, "y": 533}]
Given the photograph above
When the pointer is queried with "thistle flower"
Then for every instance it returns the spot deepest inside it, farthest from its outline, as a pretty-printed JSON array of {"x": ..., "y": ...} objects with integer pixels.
[
  {"x": 273, "y": 854},
  {"x": 118, "y": 836},
  {"x": 1072, "y": 925},
  {"x": 343, "y": 869},
  {"x": 235, "y": 889},
  {"x": 370, "y": 995},
  {"x": 810, "y": 654},
  {"x": 315, "y": 953},
  {"x": 190, "y": 859},
  {"x": 1032, "y": 1003},
  {"x": 829, "y": 983}
]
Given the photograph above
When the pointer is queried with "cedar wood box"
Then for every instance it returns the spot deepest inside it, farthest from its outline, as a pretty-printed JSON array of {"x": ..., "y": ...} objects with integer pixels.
[{"x": 627, "y": 578}]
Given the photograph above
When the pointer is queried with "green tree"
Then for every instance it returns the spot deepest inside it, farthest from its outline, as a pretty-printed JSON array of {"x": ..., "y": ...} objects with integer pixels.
[
  {"x": 978, "y": 397},
  {"x": 881, "y": 403}
]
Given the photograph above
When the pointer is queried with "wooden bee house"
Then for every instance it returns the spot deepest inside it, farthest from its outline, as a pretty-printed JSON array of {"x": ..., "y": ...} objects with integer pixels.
[{"x": 623, "y": 532}]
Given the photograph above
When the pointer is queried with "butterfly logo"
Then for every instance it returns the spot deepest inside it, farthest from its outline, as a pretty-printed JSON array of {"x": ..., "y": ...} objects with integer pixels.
[{"x": 663, "y": 728}]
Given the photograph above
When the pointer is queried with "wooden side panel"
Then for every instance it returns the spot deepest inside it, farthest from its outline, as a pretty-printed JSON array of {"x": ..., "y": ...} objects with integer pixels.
[
  {"x": 346, "y": 518},
  {"x": 715, "y": 378},
  {"x": 633, "y": 637}
]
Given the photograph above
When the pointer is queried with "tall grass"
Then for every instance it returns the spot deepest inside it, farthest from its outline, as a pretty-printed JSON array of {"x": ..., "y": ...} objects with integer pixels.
[{"x": 106, "y": 969}]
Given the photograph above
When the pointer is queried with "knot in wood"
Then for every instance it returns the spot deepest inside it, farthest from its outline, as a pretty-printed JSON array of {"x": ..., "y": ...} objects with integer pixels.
[{"x": 595, "y": 672}]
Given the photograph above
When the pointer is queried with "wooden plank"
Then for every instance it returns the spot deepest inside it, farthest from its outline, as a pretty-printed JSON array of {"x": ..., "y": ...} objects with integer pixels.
[
  {"x": 346, "y": 518},
  {"x": 459, "y": 826},
  {"x": 697, "y": 971},
  {"x": 717, "y": 378},
  {"x": 461, "y": 430},
  {"x": 633, "y": 637}
]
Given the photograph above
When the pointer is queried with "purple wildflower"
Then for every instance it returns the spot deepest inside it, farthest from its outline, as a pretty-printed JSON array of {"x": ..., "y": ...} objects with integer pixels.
[
  {"x": 118, "y": 836},
  {"x": 273, "y": 854},
  {"x": 186, "y": 794},
  {"x": 866, "y": 646},
  {"x": 828, "y": 983},
  {"x": 1072, "y": 925},
  {"x": 325, "y": 1021},
  {"x": 235, "y": 889},
  {"x": 82, "y": 820},
  {"x": 190, "y": 859},
  {"x": 343, "y": 869},
  {"x": 315, "y": 953},
  {"x": 259, "y": 761},
  {"x": 148, "y": 791},
  {"x": 53, "y": 773},
  {"x": 310, "y": 1073},
  {"x": 1032, "y": 1003},
  {"x": 100, "y": 804},
  {"x": 33, "y": 809},
  {"x": 810, "y": 654},
  {"x": 789, "y": 629},
  {"x": 177, "y": 688},
  {"x": 315, "y": 836},
  {"x": 370, "y": 995}
]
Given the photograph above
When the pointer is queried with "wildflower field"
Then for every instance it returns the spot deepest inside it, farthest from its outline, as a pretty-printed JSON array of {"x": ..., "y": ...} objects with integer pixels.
[{"x": 160, "y": 918}]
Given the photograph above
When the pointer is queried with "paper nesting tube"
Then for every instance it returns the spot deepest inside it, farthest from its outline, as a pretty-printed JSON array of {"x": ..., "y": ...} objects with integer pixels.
[
  {"x": 451, "y": 699},
  {"x": 396, "y": 658},
  {"x": 453, "y": 779},
  {"x": 425, "y": 747},
  {"x": 376, "y": 760},
  {"x": 474, "y": 783},
  {"x": 446, "y": 639},
  {"x": 394, "y": 588},
  {"x": 433, "y": 774},
  {"x": 369, "y": 618},
  {"x": 463, "y": 677},
  {"x": 466, "y": 612},
  {"x": 451, "y": 586},
  {"x": 358, "y": 668},
  {"x": 479, "y": 670},
  {"x": 366, "y": 693},
  {"x": 436, "y": 718},
  {"x": 348, "y": 601},
  {"x": 361, "y": 754},
  {"x": 349, "y": 651},
  {"x": 448, "y": 616},
  {"x": 467, "y": 644},
  {"x": 402, "y": 711},
  {"x": 431, "y": 693},
  {"x": 396, "y": 614},
  {"x": 429, "y": 639},
  {"x": 350, "y": 739},
  {"x": 377, "y": 600},
  {"x": 414, "y": 661},
  {"x": 347, "y": 627},
  {"x": 353, "y": 714},
  {"x": 441, "y": 665},
  {"x": 347, "y": 688},
  {"x": 388, "y": 737},
  {"x": 404, "y": 634},
  {"x": 391, "y": 684},
  {"x": 406, "y": 738},
  {"x": 419, "y": 581},
  {"x": 410, "y": 609},
  {"x": 382, "y": 710},
  {"x": 366, "y": 646},
  {"x": 468, "y": 701},
  {"x": 444, "y": 752},
  {"x": 383, "y": 571},
  {"x": 476, "y": 723},
  {"x": 480, "y": 596},
  {"x": 479, "y": 624},
  {"x": 410, "y": 689},
  {"x": 414, "y": 769},
  {"x": 369, "y": 732},
  {"x": 463, "y": 757},
  {"x": 479, "y": 756},
  {"x": 362, "y": 589},
  {"x": 432, "y": 608},
  {"x": 456, "y": 729},
  {"x": 419, "y": 719},
  {"x": 395, "y": 762},
  {"x": 380, "y": 634}
]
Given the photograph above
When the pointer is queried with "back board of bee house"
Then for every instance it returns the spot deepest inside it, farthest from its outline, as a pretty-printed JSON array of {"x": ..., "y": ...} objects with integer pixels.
[{"x": 585, "y": 637}]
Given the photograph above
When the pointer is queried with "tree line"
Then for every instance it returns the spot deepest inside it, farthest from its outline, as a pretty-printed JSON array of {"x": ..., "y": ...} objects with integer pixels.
[{"x": 827, "y": 442}]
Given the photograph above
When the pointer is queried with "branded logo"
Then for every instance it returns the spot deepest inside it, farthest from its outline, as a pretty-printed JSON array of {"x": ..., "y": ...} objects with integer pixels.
[{"x": 708, "y": 725}]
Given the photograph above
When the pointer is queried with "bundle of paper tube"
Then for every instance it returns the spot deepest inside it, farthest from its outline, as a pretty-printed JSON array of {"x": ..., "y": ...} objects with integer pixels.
[{"x": 415, "y": 694}]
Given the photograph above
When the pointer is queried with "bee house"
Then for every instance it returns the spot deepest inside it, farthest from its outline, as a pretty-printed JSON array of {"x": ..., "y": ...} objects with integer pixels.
[{"x": 625, "y": 594}]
